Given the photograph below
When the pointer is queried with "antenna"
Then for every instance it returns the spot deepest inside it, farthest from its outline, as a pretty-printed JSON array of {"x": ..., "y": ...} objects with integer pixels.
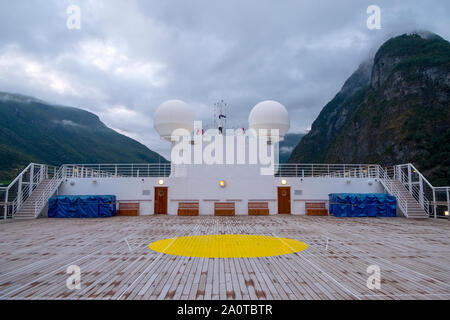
[{"x": 220, "y": 115}]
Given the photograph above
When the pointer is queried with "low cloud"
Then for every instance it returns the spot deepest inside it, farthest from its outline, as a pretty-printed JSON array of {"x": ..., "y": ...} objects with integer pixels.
[
  {"x": 68, "y": 123},
  {"x": 130, "y": 56}
]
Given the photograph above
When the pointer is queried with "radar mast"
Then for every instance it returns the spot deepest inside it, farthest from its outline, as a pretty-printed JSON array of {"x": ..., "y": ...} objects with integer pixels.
[{"x": 220, "y": 115}]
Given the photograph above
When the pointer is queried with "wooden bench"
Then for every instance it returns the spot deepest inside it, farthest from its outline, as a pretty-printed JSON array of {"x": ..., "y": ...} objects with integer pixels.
[
  {"x": 256, "y": 208},
  {"x": 224, "y": 209},
  {"x": 316, "y": 209},
  {"x": 128, "y": 209},
  {"x": 188, "y": 208}
]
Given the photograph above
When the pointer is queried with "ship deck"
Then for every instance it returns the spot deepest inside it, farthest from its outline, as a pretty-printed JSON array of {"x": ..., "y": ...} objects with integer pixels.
[{"x": 116, "y": 263}]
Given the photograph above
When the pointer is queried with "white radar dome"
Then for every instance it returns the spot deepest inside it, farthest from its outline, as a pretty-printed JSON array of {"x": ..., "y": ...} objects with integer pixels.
[
  {"x": 173, "y": 117},
  {"x": 269, "y": 115}
]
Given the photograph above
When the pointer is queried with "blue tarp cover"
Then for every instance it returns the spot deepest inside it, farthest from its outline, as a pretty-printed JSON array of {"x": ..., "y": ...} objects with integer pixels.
[
  {"x": 82, "y": 206},
  {"x": 362, "y": 205}
]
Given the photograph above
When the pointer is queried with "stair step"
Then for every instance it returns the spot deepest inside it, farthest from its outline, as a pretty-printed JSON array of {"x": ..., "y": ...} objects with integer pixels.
[
  {"x": 414, "y": 209},
  {"x": 27, "y": 210}
]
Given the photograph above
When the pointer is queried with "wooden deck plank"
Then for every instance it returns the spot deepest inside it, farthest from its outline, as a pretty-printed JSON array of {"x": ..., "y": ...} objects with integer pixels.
[{"x": 414, "y": 257}]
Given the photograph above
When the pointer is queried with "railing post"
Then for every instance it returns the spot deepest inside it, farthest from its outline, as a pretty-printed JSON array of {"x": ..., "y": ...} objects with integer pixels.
[
  {"x": 434, "y": 203},
  {"x": 5, "y": 213},
  {"x": 30, "y": 189},
  {"x": 448, "y": 200},
  {"x": 406, "y": 208},
  {"x": 19, "y": 191},
  {"x": 421, "y": 192},
  {"x": 409, "y": 178}
]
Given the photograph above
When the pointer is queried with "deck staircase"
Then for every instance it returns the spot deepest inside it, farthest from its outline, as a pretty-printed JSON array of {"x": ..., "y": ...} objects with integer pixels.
[
  {"x": 27, "y": 210},
  {"x": 407, "y": 203},
  {"x": 36, "y": 202}
]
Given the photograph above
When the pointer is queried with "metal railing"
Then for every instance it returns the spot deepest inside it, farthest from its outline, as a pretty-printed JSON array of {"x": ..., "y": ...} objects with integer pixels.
[
  {"x": 327, "y": 170},
  {"x": 388, "y": 178},
  {"x": 435, "y": 201},
  {"x": 441, "y": 202},
  {"x": 17, "y": 192},
  {"x": 117, "y": 170},
  {"x": 48, "y": 191},
  {"x": 422, "y": 190},
  {"x": 164, "y": 170}
]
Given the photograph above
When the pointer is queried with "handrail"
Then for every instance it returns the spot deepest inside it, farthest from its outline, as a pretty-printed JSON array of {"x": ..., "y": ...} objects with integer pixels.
[
  {"x": 49, "y": 189},
  {"x": 326, "y": 170},
  {"x": 118, "y": 170},
  {"x": 421, "y": 175},
  {"x": 388, "y": 182},
  {"x": 21, "y": 189},
  {"x": 411, "y": 185},
  {"x": 18, "y": 176},
  {"x": 434, "y": 201}
]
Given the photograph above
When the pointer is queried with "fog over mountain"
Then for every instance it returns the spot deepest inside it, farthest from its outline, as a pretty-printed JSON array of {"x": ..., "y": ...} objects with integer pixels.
[
  {"x": 130, "y": 56},
  {"x": 32, "y": 130}
]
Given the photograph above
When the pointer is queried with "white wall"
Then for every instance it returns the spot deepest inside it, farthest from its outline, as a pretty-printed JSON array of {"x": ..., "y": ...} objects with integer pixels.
[{"x": 204, "y": 188}]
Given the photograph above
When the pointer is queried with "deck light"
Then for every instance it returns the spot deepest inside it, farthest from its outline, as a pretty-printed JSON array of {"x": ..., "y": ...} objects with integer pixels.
[
  {"x": 283, "y": 182},
  {"x": 222, "y": 183},
  {"x": 161, "y": 182}
]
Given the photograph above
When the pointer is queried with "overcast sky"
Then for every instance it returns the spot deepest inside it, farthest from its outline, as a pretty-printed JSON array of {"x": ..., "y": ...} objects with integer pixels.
[{"x": 130, "y": 56}]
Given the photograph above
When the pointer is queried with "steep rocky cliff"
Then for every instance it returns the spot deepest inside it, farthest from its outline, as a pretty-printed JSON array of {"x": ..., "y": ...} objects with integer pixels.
[{"x": 399, "y": 113}]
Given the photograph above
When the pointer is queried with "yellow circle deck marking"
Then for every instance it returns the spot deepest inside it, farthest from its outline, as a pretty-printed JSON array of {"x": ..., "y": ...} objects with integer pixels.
[{"x": 228, "y": 246}]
